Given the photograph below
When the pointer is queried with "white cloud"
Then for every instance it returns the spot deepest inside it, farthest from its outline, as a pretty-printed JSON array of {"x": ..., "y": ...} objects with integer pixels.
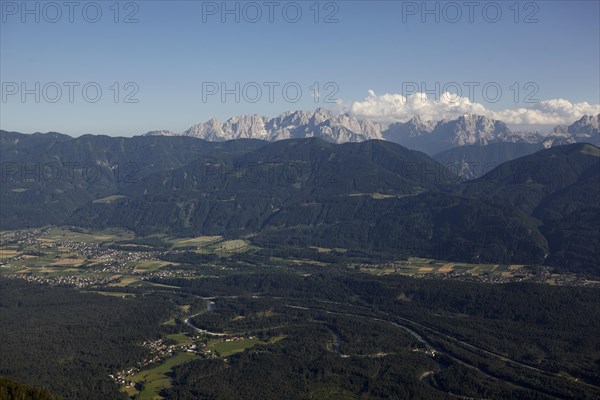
[
  {"x": 396, "y": 107},
  {"x": 548, "y": 112}
]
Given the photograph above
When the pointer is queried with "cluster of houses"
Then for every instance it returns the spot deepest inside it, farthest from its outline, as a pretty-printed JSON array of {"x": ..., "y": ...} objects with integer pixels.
[
  {"x": 542, "y": 274},
  {"x": 538, "y": 274},
  {"x": 80, "y": 281},
  {"x": 96, "y": 252},
  {"x": 159, "y": 350},
  {"x": 27, "y": 237}
]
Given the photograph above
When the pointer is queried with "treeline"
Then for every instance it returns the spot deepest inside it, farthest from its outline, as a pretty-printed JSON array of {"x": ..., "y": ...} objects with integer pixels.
[
  {"x": 302, "y": 367},
  {"x": 69, "y": 341},
  {"x": 553, "y": 328},
  {"x": 12, "y": 390},
  {"x": 331, "y": 349}
]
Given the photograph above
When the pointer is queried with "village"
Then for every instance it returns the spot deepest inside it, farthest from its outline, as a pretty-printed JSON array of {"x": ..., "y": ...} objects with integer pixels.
[
  {"x": 177, "y": 347},
  {"x": 28, "y": 256},
  {"x": 91, "y": 260},
  {"x": 481, "y": 273}
]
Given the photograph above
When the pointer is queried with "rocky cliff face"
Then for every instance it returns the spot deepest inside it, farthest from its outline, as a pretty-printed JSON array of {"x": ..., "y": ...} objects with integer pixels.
[
  {"x": 297, "y": 124},
  {"x": 470, "y": 129},
  {"x": 428, "y": 136},
  {"x": 432, "y": 137},
  {"x": 587, "y": 129}
]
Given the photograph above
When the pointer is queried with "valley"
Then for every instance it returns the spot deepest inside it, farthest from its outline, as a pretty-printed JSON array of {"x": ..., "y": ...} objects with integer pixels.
[
  {"x": 298, "y": 269},
  {"x": 375, "y": 196},
  {"x": 220, "y": 320},
  {"x": 116, "y": 258},
  {"x": 306, "y": 200}
]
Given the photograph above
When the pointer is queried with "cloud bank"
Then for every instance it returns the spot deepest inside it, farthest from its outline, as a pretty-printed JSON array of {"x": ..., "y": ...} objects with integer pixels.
[{"x": 396, "y": 107}]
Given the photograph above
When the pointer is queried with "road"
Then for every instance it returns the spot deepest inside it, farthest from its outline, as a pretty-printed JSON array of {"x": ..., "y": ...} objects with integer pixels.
[
  {"x": 411, "y": 326},
  {"x": 428, "y": 344}
]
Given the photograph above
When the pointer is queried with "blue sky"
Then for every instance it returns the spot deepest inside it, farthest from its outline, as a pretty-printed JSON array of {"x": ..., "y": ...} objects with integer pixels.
[{"x": 171, "y": 56}]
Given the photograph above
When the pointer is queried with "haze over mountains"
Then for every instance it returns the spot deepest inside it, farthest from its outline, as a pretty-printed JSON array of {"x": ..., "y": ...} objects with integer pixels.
[
  {"x": 430, "y": 137},
  {"x": 473, "y": 161}
]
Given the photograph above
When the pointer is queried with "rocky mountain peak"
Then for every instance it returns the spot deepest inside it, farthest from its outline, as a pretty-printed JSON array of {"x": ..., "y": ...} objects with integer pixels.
[
  {"x": 320, "y": 123},
  {"x": 417, "y": 133},
  {"x": 586, "y": 129}
]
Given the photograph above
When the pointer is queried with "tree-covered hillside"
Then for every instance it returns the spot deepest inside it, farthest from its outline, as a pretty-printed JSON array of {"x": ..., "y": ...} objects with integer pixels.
[{"x": 374, "y": 196}]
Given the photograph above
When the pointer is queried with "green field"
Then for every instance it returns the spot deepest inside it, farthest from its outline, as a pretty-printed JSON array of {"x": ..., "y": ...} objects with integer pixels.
[
  {"x": 225, "y": 349},
  {"x": 200, "y": 241},
  {"x": 86, "y": 235},
  {"x": 421, "y": 266},
  {"x": 156, "y": 378},
  {"x": 213, "y": 245},
  {"x": 10, "y": 270},
  {"x": 232, "y": 246},
  {"x": 152, "y": 284},
  {"x": 180, "y": 338},
  {"x": 149, "y": 265}
]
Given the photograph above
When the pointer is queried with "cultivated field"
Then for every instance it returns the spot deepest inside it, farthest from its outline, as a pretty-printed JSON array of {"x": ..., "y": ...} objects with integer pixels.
[
  {"x": 420, "y": 266},
  {"x": 156, "y": 378}
]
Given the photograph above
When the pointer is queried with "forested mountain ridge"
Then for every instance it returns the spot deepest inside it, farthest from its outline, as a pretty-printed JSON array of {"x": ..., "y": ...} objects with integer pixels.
[
  {"x": 474, "y": 161},
  {"x": 560, "y": 187},
  {"x": 12, "y": 390},
  {"x": 66, "y": 173},
  {"x": 373, "y": 195}
]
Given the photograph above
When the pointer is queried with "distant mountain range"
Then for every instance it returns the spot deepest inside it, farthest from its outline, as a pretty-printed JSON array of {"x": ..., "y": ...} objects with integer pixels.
[
  {"x": 321, "y": 123},
  {"x": 430, "y": 137}
]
